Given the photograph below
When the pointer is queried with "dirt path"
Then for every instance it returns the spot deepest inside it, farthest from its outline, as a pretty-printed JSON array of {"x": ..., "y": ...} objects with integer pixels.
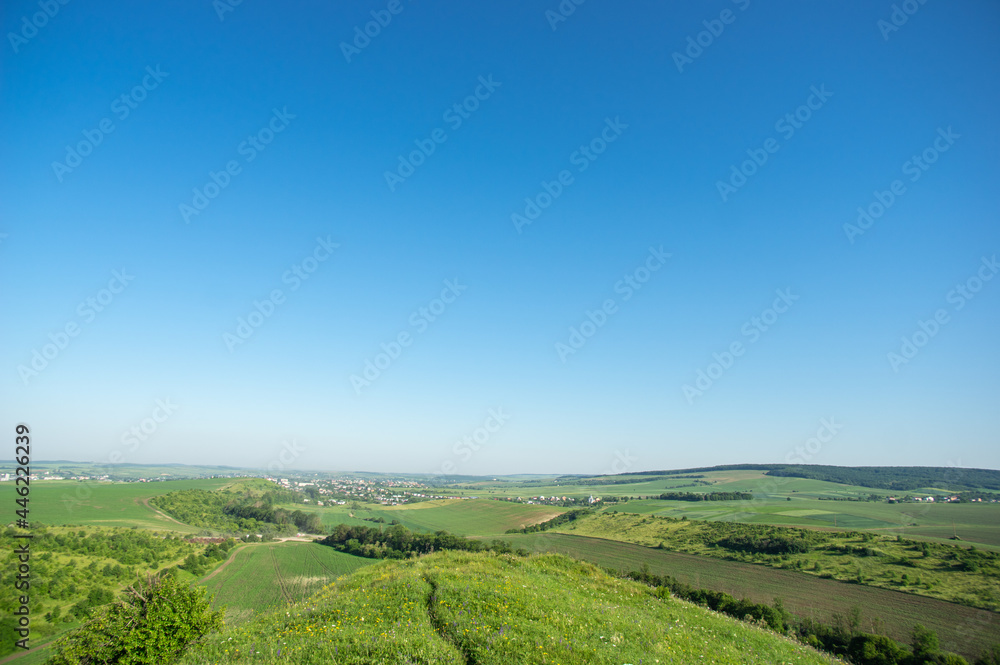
[
  {"x": 21, "y": 654},
  {"x": 160, "y": 512},
  {"x": 225, "y": 563}
]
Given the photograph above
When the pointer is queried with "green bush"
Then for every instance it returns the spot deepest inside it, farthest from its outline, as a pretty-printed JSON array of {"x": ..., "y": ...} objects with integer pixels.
[
  {"x": 153, "y": 623},
  {"x": 875, "y": 650}
]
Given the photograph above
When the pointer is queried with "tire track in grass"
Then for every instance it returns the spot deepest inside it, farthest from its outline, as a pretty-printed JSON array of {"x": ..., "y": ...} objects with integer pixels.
[
  {"x": 277, "y": 574},
  {"x": 441, "y": 626},
  {"x": 322, "y": 565}
]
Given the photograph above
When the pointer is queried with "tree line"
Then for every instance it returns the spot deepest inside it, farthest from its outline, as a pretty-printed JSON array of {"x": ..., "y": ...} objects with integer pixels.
[
  {"x": 710, "y": 496},
  {"x": 398, "y": 542}
]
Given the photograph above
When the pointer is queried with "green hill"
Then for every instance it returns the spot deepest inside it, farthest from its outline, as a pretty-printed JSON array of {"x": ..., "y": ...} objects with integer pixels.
[{"x": 456, "y": 607}]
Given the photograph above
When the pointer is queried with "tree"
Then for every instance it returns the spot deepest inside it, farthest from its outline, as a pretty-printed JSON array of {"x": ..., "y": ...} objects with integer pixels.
[
  {"x": 924, "y": 642},
  {"x": 875, "y": 650},
  {"x": 152, "y": 623},
  {"x": 990, "y": 656}
]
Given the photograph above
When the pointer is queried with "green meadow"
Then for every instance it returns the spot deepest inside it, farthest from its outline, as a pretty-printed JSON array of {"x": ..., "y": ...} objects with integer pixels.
[{"x": 460, "y": 608}]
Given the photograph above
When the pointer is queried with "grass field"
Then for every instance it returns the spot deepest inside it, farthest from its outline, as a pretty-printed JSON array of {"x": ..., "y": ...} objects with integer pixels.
[
  {"x": 465, "y": 517},
  {"x": 264, "y": 577},
  {"x": 475, "y": 608},
  {"x": 964, "y": 630},
  {"x": 58, "y": 502}
]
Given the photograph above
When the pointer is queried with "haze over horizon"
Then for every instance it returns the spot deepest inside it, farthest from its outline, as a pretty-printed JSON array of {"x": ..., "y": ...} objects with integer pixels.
[{"x": 500, "y": 238}]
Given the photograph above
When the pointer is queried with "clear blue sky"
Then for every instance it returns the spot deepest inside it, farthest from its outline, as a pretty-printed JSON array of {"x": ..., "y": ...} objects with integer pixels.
[{"x": 675, "y": 128}]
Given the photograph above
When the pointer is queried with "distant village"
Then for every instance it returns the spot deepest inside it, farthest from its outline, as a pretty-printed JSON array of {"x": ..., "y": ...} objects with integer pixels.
[{"x": 338, "y": 491}]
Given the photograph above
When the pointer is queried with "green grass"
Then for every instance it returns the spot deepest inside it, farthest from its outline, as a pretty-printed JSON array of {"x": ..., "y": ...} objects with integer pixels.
[
  {"x": 460, "y": 607},
  {"x": 964, "y": 630},
  {"x": 936, "y": 576},
  {"x": 58, "y": 502},
  {"x": 465, "y": 517},
  {"x": 267, "y": 576}
]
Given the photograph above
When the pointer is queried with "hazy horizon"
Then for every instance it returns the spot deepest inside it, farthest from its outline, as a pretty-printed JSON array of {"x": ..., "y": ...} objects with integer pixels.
[{"x": 502, "y": 239}]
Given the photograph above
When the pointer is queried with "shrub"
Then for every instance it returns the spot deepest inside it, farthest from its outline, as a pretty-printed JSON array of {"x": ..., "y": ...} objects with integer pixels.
[
  {"x": 875, "y": 650},
  {"x": 153, "y": 623}
]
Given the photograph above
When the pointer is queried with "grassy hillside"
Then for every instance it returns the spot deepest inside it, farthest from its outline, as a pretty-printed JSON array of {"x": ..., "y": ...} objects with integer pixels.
[
  {"x": 948, "y": 572},
  {"x": 264, "y": 577},
  {"x": 462, "y": 608}
]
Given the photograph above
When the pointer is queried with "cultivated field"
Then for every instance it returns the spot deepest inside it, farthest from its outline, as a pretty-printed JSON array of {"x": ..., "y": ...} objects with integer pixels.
[
  {"x": 259, "y": 578},
  {"x": 946, "y": 572},
  {"x": 465, "y": 517},
  {"x": 964, "y": 630},
  {"x": 59, "y": 502}
]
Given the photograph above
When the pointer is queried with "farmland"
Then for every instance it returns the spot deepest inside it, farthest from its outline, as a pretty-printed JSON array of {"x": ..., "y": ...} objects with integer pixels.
[
  {"x": 964, "y": 630},
  {"x": 262, "y": 577},
  {"x": 898, "y": 584},
  {"x": 785, "y": 501},
  {"x": 109, "y": 504},
  {"x": 468, "y": 517},
  {"x": 946, "y": 572}
]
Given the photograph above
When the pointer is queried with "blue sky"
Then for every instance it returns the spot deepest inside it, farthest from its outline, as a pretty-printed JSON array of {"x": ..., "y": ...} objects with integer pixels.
[{"x": 500, "y": 363}]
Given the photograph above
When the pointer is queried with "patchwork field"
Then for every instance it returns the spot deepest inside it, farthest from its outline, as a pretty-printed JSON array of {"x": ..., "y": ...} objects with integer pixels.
[
  {"x": 259, "y": 578},
  {"x": 465, "y": 517},
  {"x": 964, "y": 630}
]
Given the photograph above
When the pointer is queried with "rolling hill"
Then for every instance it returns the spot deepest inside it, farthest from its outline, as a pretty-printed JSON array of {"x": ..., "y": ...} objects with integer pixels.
[{"x": 458, "y": 608}]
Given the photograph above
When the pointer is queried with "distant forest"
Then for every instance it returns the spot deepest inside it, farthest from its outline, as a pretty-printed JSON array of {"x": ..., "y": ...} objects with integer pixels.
[
  {"x": 711, "y": 496},
  {"x": 899, "y": 478}
]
